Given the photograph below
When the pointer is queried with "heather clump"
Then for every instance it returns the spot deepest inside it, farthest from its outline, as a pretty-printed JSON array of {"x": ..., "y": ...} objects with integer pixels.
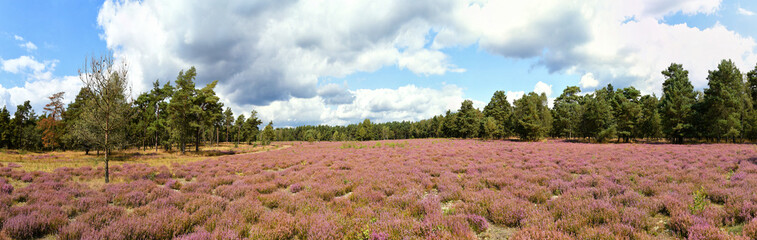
[{"x": 428, "y": 189}]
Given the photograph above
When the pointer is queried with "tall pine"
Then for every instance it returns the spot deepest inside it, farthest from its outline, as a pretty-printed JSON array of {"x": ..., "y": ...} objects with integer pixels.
[{"x": 676, "y": 103}]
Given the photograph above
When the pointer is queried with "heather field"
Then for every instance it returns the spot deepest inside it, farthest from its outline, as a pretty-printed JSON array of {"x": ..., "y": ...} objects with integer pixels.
[{"x": 414, "y": 189}]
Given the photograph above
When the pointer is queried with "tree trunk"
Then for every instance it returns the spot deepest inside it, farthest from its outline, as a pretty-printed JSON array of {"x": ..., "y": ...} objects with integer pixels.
[
  {"x": 107, "y": 173},
  {"x": 197, "y": 141}
]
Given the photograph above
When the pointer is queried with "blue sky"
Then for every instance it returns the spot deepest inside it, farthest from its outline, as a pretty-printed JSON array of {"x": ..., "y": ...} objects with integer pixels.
[{"x": 337, "y": 62}]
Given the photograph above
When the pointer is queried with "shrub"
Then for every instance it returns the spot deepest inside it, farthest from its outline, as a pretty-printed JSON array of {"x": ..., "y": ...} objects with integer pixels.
[
  {"x": 535, "y": 233},
  {"x": 477, "y": 223},
  {"x": 680, "y": 222},
  {"x": 38, "y": 223},
  {"x": 750, "y": 229}
]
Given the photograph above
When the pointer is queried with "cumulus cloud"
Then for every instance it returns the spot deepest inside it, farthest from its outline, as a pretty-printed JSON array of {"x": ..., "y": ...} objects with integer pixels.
[
  {"x": 18, "y": 38},
  {"x": 36, "y": 83},
  {"x": 265, "y": 51},
  {"x": 588, "y": 81},
  {"x": 273, "y": 54},
  {"x": 623, "y": 42},
  {"x": 514, "y": 95},
  {"x": 380, "y": 105},
  {"x": 29, "y": 67},
  {"x": 37, "y": 91},
  {"x": 542, "y": 87},
  {"x": 335, "y": 94}
]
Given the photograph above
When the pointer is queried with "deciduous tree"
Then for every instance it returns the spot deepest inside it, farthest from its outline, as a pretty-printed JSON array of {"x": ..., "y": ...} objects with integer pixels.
[{"x": 105, "y": 115}]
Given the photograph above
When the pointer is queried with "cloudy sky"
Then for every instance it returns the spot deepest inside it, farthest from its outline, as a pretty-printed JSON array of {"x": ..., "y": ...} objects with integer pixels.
[{"x": 341, "y": 61}]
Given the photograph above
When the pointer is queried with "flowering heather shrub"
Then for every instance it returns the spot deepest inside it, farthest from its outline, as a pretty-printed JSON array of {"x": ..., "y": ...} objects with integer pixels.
[
  {"x": 430, "y": 189},
  {"x": 33, "y": 221},
  {"x": 6, "y": 188},
  {"x": 173, "y": 184},
  {"x": 534, "y": 233},
  {"x": 601, "y": 233},
  {"x": 750, "y": 229},
  {"x": 704, "y": 231},
  {"x": 379, "y": 236},
  {"x": 680, "y": 222},
  {"x": 101, "y": 217},
  {"x": 295, "y": 188},
  {"x": 477, "y": 223}
]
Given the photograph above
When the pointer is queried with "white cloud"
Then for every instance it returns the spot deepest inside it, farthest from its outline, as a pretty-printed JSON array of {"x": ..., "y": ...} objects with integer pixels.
[
  {"x": 380, "y": 105},
  {"x": 275, "y": 53},
  {"x": 18, "y": 38},
  {"x": 17, "y": 65},
  {"x": 623, "y": 42},
  {"x": 38, "y": 83},
  {"x": 37, "y": 91},
  {"x": 512, "y": 96},
  {"x": 29, "y": 67},
  {"x": 29, "y": 46},
  {"x": 588, "y": 81},
  {"x": 542, "y": 87},
  {"x": 745, "y": 12},
  {"x": 272, "y": 50}
]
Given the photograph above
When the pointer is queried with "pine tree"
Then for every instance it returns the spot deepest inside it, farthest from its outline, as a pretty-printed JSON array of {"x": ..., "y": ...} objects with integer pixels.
[
  {"x": 597, "y": 119},
  {"x": 268, "y": 134},
  {"x": 501, "y": 110},
  {"x": 180, "y": 107},
  {"x": 649, "y": 125},
  {"x": 50, "y": 125},
  {"x": 469, "y": 120},
  {"x": 533, "y": 119},
  {"x": 676, "y": 103},
  {"x": 628, "y": 112},
  {"x": 239, "y": 124},
  {"x": 251, "y": 127},
  {"x": 567, "y": 113},
  {"x": 725, "y": 101},
  {"x": 205, "y": 110},
  {"x": 106, "y": 113},
  {"x": 228, "y": 121},
  {"x": 5, "y": 128}
]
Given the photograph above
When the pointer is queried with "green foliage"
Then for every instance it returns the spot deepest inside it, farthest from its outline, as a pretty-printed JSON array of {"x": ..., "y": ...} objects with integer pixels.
[
  {"x": 268, "y": 135},
  {"x": 724, "y": 100},
  {"x": 534, "y": 120},
  {"x": 567, "y": 113},
  {"x": 649, "y": 125},
  {"x": 700, "y": 201},
  {"x": 180, "y": 107},
  {"x": 501, "y": 111},
  {"x": 468, "y": 120},
  {"x": 597, "y": 120},
  {"x": 627, "y": 112},
  {"x": 676, "y": 103},
  {"x": 106, "y": 113},
  {"x": 490, "y": 128}
]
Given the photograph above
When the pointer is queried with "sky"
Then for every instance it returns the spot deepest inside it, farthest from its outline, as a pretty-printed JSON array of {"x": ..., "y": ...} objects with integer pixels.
[{"x": 341, "y": 61}]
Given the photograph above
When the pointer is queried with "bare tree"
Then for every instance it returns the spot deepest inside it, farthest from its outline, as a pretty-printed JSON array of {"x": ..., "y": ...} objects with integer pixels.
[{"x": 105, "y": 114}]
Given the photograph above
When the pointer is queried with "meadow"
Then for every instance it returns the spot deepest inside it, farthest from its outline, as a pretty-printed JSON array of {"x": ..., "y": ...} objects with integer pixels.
[{"x": 407, "y": 189}]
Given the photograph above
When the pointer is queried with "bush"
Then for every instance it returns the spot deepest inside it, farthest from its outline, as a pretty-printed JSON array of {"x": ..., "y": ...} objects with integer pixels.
[
  {"x": 535, "y": 233},
  {"x": 750, "y": 229},
  {"x": 34, "y": 225},
  {"x": 477, "y": 223}
]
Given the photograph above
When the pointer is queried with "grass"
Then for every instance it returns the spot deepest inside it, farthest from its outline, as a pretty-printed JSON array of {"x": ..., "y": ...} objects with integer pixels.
[{"x": 49, "y": 161}]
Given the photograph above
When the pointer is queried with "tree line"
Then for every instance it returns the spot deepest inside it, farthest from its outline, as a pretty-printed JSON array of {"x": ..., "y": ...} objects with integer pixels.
[
  {"x": 724, "y": 111},
  {"x": 179, "y": 115}
]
